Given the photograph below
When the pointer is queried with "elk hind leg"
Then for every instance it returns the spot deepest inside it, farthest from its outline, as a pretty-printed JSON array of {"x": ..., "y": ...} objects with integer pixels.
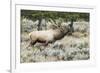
[{"x": 31, "y": 43}]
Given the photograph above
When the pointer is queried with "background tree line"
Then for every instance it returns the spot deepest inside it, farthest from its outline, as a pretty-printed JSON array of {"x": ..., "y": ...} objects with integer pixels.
[{"x": 53, "y": 15}]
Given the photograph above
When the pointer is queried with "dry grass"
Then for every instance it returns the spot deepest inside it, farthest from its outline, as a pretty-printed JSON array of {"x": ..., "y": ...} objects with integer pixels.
[{"x": 71, "y": 47}]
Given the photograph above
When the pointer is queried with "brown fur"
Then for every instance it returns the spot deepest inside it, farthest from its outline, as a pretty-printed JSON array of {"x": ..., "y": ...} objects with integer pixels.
[{"x": 48, "y": 36}]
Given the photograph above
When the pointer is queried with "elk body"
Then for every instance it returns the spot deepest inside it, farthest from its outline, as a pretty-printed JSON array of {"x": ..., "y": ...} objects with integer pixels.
[{"x": 48, "y": 36}]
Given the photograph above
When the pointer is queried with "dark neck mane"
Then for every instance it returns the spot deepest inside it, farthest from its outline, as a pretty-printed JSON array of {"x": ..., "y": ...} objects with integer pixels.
[{"x": 59, "y": 34}]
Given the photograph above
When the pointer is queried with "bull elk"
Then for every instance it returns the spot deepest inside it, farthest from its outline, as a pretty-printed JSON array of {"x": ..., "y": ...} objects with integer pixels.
[{"x": 48, "y": 36}]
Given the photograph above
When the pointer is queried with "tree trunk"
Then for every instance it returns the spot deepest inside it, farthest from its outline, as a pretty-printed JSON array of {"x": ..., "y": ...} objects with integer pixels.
[
  {"x": 39, "y": 24},
  {"x": 71, "y": 27}
]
